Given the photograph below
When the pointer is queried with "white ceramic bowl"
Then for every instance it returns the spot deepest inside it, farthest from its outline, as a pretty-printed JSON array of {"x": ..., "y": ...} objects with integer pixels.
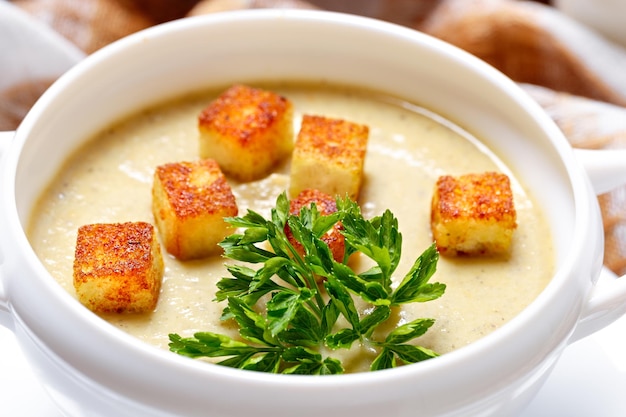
[{"x": 91, "y": 368}]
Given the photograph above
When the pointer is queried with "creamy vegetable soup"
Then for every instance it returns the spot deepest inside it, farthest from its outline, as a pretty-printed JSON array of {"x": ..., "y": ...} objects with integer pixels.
[{"x": 110, "y": 180}]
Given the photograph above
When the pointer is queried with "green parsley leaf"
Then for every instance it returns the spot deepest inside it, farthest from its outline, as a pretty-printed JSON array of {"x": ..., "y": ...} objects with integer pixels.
[
  {"x": 301, "y": 303},
  {"x": 415, "y": 287}
]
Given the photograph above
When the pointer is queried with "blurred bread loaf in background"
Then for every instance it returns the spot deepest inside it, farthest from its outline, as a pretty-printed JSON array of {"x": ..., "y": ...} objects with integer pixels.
[
  {"x": 89, "y": 24},
  {"x": 213, "y": 6},
  {"x": 533, "y": 43}
]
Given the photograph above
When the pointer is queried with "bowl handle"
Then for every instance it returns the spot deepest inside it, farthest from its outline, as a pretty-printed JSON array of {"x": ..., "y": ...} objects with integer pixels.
[
  {"x": 5, "y": 140},
  {"x": 607, "y": 302},
  {"x": 605, "y": 168}
]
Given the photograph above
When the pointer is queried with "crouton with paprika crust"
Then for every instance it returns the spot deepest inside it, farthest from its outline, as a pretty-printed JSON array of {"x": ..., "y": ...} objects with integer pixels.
[
  {"x": 329, "y": 156},
  {"x": 325, "y": 205},
  {"x": 473, "y": 214},
  {"x": 248, "y": 131},
  {"x": 189, "y": 203},
  {"x": 118, "y": 267}
]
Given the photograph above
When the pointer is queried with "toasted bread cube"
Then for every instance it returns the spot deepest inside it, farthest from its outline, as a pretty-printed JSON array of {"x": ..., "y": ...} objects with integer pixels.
[
  {"x": 247, "y": 131},
  {"x": 118, "y": 267},
  {"x": 473, "y": 214},
  {"x": 329, "y": 156},
  {"x": 189, "y": 203},
  {"x": 326, "y": 205}
]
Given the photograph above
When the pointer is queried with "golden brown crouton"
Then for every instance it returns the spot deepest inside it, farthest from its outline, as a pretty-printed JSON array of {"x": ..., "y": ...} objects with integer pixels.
[
  {"x": 118, "y": 267},
  {"x": 329, "y": 156},
  {"x": 247, "y": 131},
  {"x": 473, "y": 214},
  {"x": 189, "y": 203},
  {"x": 326, "y": 205}
]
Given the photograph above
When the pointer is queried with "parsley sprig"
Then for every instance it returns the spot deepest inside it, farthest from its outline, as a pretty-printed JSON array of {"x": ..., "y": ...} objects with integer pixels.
[{"x": 296, "y": 307}]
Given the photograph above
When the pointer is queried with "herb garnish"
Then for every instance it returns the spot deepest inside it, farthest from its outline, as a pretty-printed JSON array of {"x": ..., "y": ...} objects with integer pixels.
[{"x": 310, "y": 306}]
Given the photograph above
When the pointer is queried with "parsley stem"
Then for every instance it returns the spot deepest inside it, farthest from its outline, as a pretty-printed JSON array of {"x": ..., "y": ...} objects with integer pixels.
[{"x": 304, "y": 272}]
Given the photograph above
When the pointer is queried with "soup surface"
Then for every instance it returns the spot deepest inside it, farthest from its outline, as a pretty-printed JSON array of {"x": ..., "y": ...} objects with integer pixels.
[{"x": 110, "y": 180}]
